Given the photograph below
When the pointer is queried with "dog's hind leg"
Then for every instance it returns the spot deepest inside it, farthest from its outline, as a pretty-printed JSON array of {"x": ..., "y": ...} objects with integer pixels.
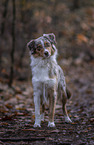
[
  {"x": 64, "y": 100},
  {"x": 42, "y": 112}
]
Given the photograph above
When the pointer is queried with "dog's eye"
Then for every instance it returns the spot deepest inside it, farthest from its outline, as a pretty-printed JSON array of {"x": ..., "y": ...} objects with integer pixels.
[
  {"x": 47, "y": 44},
  {"x": 39, "y": 47}
]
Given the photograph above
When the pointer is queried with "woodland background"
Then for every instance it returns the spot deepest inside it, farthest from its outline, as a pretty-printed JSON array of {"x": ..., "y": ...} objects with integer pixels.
[{"x": 72, "y": 21}]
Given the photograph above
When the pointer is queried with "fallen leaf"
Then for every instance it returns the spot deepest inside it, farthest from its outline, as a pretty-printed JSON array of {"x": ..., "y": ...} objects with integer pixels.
[
  {"x": 82, "y": 38},
  {"x": 9, "y": 106},
  {"x": 3, "y": 123},
  {"x": 91, "y": 119},
  {"x": 76, "y": 116},
  {"x": 54, "y": 131},
  {"x": 89, "y": 128},
  {"x": 18, "y": 90},
  {"x": 7, "y": 117}
]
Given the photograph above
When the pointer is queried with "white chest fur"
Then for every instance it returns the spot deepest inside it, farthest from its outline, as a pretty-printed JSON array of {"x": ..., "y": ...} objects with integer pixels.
[
  {"x": 40, "y": 70},
  {"x": 40, "y": 73}
]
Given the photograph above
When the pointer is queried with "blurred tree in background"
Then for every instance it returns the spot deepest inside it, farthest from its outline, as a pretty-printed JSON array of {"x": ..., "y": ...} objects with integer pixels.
[
  {"x": 13, "y": 44},
  {"x": 76, "y": 4}
]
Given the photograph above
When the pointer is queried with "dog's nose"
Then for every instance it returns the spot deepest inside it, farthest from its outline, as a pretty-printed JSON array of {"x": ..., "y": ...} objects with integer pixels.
[{"x": 46, "y": 53}]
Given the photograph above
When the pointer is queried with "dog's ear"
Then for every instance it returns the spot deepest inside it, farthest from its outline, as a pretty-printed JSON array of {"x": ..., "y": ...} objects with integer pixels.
[
  {"x": 31, "y": 46},
  {"x": 50, "y": 37}
]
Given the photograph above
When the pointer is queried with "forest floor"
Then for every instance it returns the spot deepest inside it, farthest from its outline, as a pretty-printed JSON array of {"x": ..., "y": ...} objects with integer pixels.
[{"x": 17, "y": 111}]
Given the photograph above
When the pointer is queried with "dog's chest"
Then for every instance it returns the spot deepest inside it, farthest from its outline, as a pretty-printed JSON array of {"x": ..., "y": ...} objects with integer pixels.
[{"x": 41, "y": 72}]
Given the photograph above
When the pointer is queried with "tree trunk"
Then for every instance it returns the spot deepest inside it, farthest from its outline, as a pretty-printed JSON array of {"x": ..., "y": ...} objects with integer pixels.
[
  {"x": 22, "y": 6},
  {"x": 5, "y": 5},
  {"x": 54, "y": 15},
  {"x": 4, "y": 16},
  {"x": 76, "y": 4},
  {"x": 13, "y": 44}
]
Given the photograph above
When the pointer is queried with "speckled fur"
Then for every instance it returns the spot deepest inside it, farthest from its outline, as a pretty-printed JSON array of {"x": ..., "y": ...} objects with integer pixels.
[{"x": 48, "y": 82}]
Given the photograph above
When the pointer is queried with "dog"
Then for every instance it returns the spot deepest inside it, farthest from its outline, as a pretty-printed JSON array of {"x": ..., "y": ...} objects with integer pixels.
[{"x": 47, "y": 78}]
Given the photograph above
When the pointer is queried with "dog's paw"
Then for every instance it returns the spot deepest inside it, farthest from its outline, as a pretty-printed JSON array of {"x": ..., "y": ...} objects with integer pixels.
[
  {"x": 36, "y": 125},
  {"x": 51, "y": 124},
  {"x": 67, "y": 119}
]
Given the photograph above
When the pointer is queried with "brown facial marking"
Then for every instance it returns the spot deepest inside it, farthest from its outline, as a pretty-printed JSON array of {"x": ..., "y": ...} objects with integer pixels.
[
  {"x": 46, "y": 44},
  {"x": 39, "y": 50},
  {"x": 39, "y": 53},
  {"x": 39, "y": 47}
]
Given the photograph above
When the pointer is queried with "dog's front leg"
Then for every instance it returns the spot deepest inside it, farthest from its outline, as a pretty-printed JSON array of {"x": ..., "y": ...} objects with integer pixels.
[
  {"x": 37, "y": 110},
  {"x": 52, "y": 105}
]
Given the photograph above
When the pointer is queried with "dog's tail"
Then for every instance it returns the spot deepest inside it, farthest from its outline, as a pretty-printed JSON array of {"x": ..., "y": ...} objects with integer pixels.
[
  {"x": 65, "y": 90},
  {"x": 68, "y": 93}
]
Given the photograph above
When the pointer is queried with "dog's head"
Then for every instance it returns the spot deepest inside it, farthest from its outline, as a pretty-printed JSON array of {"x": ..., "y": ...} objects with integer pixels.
[{"x": 42, "y": 46}]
